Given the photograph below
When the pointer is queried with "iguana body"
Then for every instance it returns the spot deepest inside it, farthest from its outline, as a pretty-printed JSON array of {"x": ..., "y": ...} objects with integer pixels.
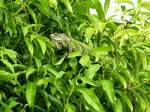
[{"x": 62, "y": 41}]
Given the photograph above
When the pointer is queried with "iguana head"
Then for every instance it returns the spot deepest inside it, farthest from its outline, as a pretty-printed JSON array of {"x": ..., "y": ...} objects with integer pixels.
[{"x": 60, "y": 40}]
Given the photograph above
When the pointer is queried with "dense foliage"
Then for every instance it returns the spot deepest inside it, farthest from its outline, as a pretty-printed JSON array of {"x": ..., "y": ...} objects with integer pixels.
[{"x": 56, "y": 56}]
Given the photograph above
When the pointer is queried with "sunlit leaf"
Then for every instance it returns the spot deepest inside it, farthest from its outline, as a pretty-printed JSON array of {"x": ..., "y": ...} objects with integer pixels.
[
  {"x": 9, "y": 65},
  {"x": 106, "y": 5},
  {"x": 53, "y": 4},
  {"x": 31, "y": 93},
  {"x": 91, "y": 71},
  {"x": 107, "y": 86},
  {"x": 85, "y": 60},
  {"x": 146, "y": 4},
  {"x": 68, "y": 5},
  {"x": 42, "y": 45},
  {"x": 29, "y": 72},
  {"x": 71, "y": 108},
  {"x": 4, "y": 75},
  {"x": 30, "y": 46},
  {"x": 120, "y": 78},
  {"x": 126, "y": 100},
  {"x": 91, "y": 99}
]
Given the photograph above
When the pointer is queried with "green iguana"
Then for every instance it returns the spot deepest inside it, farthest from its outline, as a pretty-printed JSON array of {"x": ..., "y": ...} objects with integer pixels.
[{"x": 63, "y": 41}]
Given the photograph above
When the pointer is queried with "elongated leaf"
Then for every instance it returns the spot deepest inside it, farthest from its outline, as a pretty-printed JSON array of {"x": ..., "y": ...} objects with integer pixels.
[
  {"x": 42, "y": 45},
  {"x": 125, "y": 1},
  {"x": 38, "y": 62},
  {"x": 120, "y": 78},
  {"x": 106, "y": 5},
  {"x": 126, "y": 100},
  {"x": 53, "y": 99},
  {"x": 30, "y": 46},
  {"x": 43, "y": 6},
  {"x": 29, "y": 72},
  {"x": 2, "y": 5},
  {"x": 146, "y": 4},
  {"x": 33, "y": 15},
  {"x": 98, "y": 6},
  {"x": 74, "y": 54},
  {"x": 140, "y": 101},
  {"x": 90, "y": 73},
  {"x": 9, "y": 65},
  {"x": 53, "y": 71},
  {"x": 109, "y": 90},
  {"x": 10, "y": 53},
  {"x": 91, "y": 99},
  {"x": 4, "y": 76},
  {"x": 68, "y": 5},
  {"x": 30, "y": 93}
]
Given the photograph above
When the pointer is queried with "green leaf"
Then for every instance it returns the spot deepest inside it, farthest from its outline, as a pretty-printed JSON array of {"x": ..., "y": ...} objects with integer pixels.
[
  {"x": 125, "y": 1},
  {"x": 53, "y": 4},
  {"x": 53, "y": 71},
  {"x": 33, "y": 15},
  {"x": 60, "y": 61},
  {"x": 140, "y": 101},
  {"x": 125, "y": 99},
  {"x": 98, "y": 6},
  {"x": 85, "y": 60},
  {"x": 120, "y": 78},
  {"x": 107, "y": 86},
  {"x": 90, "y": 73},
  {"x": 2, "y": 5},
  {"x": 91, "y": 99},
  {"x": 29, "y": 45},
  {"x": 37, "y": 62},
  {"x": 9, "y": 65},
  {"x": 106, "y": 5},
  {"x": 43, "y": 6},
  {"x": 5, "y": 76},
  {"x": 146, "y": 4},
  {"x": 71, "y": 108},
  {"x": 68, "y": 5},
  {"x": 10, "y": 53},
  {"x": 46, "y": 98},
  {"x": 53, "y": 99},
  {"x": 73, "y": 63},
  {"x": 30, "y": 71},
  {"x": 42, "y": 45},
  {"x": 31, "y": 93},
  {"x": 89, "y": 32},
  {"x": 74, "y": 54}
]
